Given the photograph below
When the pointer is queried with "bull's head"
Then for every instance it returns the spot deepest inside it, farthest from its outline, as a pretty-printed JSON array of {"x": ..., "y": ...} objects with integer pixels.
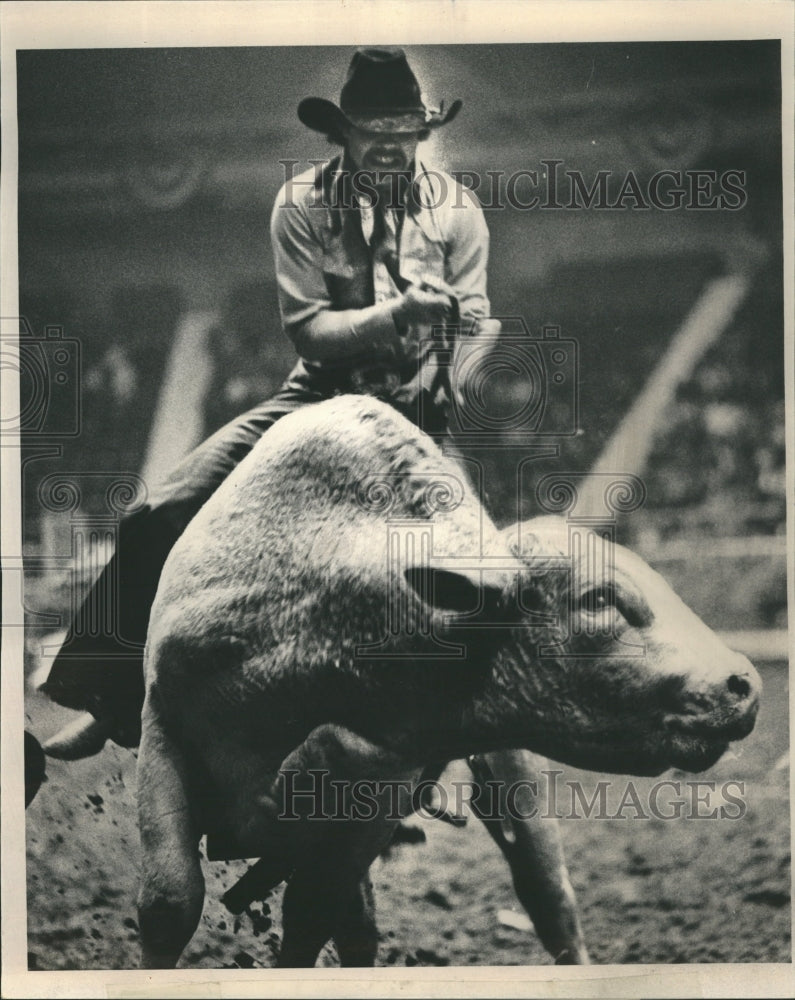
[
  {"x": 607, "y": 668},
  {"x": 630, "y": 679}
]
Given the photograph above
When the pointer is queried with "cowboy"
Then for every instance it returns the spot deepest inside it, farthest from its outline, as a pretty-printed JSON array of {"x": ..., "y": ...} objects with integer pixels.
[
  {"x": 360, "y": 290},
  {"x": 374, "y": 253}
]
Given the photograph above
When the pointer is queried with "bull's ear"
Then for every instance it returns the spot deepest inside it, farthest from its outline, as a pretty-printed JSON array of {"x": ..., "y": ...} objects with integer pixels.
[{"x": 464, "y": 593}]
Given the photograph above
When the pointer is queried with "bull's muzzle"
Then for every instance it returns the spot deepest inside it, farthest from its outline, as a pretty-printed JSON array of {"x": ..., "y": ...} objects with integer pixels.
[{"x": 720, "y": 708}]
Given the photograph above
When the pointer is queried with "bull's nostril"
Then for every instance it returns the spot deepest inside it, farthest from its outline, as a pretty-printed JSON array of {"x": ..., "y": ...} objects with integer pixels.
[{"x": 739, "y": 686}]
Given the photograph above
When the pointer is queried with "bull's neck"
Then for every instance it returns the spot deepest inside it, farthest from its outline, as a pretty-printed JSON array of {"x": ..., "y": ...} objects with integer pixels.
[{"x": 498, "y": 714}]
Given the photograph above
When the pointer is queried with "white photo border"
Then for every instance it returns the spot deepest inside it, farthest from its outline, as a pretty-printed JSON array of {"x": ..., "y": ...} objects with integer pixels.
[{"x": 350, "y": 22}]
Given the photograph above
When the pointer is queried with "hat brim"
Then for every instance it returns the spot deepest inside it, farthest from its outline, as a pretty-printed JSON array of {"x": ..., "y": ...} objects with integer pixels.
[{"x": 324, "y": 116}]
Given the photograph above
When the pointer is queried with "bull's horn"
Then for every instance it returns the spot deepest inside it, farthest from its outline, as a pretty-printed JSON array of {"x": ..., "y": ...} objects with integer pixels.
[{"x": 84, "y": 737}]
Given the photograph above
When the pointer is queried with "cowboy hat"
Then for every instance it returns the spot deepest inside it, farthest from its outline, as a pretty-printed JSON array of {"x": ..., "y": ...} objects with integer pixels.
[{"x": 380, "y": 94}]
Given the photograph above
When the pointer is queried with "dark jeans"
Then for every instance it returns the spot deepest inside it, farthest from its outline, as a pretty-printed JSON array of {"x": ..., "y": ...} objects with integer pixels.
[{"x": 101, "y": 670}]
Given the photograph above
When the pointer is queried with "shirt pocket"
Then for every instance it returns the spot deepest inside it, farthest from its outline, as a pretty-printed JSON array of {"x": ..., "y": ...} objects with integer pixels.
[
  {"x": 421, "y": 256},
  {"x": 347, "y": 273}
]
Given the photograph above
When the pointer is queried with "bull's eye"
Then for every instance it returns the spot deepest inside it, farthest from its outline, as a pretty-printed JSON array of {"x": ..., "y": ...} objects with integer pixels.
[{"x": 597, "y": 599}]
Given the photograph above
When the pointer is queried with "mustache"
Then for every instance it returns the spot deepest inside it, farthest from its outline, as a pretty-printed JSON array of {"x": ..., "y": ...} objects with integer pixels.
[{"x": 385, "y": 152}]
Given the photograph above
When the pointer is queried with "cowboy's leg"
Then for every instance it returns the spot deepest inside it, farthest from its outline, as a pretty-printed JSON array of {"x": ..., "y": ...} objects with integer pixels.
[
  {"x": 532, "y": 846},
  {"x": 356, "y": 933},
  {"x": 99, "y": 670}
]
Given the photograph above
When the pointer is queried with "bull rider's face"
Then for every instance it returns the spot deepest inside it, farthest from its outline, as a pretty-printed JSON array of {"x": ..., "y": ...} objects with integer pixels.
[{"x": 382, "y": 152}]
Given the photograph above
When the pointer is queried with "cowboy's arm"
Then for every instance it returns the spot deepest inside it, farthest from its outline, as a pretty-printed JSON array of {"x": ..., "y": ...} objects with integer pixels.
[{"x": 318, "y": 331}]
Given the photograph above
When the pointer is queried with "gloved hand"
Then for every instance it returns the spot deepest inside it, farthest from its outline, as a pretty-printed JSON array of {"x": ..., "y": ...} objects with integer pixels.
[{"x": 421, "y": 304}]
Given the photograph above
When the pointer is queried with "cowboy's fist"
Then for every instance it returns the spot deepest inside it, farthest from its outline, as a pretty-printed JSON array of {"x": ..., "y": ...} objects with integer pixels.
[{"x": 420, "y": 306}]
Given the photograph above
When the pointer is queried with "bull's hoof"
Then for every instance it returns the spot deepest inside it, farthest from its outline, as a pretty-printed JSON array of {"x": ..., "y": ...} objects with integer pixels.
[
  {"x": 576, "y": 955},
  {"x": 255, "y": 884},
  {"x": 431, "y": 803},
  {"x": 84, "y": 737}
]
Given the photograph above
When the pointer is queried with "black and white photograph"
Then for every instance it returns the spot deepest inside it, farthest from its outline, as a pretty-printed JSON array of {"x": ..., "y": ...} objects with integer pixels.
[{"x": 397, "y": 452}]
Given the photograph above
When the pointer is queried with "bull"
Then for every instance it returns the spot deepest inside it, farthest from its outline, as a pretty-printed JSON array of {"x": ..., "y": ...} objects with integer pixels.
[{"x": 344, "y": 607}]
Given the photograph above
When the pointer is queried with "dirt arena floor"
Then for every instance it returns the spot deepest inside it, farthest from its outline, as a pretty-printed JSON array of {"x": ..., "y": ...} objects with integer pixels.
[{"x": 650, "y": 890}]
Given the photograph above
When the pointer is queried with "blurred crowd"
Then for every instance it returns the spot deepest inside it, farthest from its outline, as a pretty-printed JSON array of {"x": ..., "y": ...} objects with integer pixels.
[
  {"x": 248, "y": 362},
  {"x": 718, "y": 465}
]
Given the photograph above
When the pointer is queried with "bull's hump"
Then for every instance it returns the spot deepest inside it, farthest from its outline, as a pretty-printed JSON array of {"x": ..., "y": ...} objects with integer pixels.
[
  {"x": 351, "y": 428},
  {"x": 310, "y": 508},
  {"x": 353, "y": 451}
]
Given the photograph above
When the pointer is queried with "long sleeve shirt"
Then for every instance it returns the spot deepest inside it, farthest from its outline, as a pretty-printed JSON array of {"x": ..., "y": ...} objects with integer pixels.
[{"x": 336, "y": 293}]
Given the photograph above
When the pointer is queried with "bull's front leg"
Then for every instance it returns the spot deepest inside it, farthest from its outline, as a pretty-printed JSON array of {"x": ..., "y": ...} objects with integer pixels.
[
  {"x": 356, "y": 933},
  {"x": 336, "y": 839},
  {"x": 320, "y": 824},
  {"x": 328, "y": 898},
  {"x": 533, "y": 849},
  {"x": 335, "y": 773},
  {"x": 289, "y": 821},
  {"x": 172, "y": 885}
]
